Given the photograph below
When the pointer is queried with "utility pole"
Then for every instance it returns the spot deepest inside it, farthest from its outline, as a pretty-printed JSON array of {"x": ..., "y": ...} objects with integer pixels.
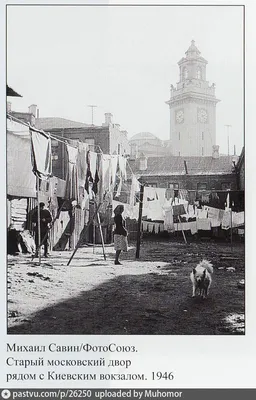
[
  {"x": 228, "y": 126},
  {"x": 92, "y": 107}
]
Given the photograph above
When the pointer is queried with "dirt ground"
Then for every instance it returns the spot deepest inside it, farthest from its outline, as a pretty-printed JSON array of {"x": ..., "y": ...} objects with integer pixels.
[{"x": 151, "y": 295}]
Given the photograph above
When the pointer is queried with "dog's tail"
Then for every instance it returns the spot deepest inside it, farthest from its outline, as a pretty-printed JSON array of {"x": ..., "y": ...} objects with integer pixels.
[{"x": 207, "y": 265}]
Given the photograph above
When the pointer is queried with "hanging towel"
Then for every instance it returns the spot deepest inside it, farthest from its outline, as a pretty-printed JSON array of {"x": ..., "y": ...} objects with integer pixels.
[
  {"x": 149, "y": 194},
  {"x": 226, "y": 220},
  {"x": 193, "y": 227},
  {"x": 168, "y": 219},
  {"x": 81, "y": 163},
  {"x": 202, "y": 214},
  {"x": 204, "y": 224},
  {"x": 144, "y": 226},
  {"x": 221, "y": 214},
  {"x": 105, "y": 172},
  {"x": 238, "y": 218},
  {"x": 113, "y": 163},
  {"x": 157, "y": 227},
  {"x": 93, "y": 163},
  {"x": 41, "y": 154},
  {"x": 135, "y": 188},
  {"x": 71, "y": 189},
  {"x": 122, "y": 165},
  {"x": 214, "y": 222},
  {"x": 150, "y": 227},
  {"x": 213, "y": 213}
]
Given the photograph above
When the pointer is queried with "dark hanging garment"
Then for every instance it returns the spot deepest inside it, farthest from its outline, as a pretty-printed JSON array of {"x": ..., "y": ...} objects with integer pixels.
[
  {"x": 178, "y": 210},
  {"x": 71, "y": 190},
  {"x": 95, "y": 182},
  {"x": 88, "y": 178}
]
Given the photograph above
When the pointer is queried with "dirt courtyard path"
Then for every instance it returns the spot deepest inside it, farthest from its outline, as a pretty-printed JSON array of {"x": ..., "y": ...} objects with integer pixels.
[{"x": 151, "y": 295}]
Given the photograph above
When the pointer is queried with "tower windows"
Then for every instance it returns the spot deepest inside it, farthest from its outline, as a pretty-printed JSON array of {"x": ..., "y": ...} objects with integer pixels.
[
  {"x": 199, "y": 73},
  {"x": 202, "y": 151},
  {"x": 185, "y": 73}
]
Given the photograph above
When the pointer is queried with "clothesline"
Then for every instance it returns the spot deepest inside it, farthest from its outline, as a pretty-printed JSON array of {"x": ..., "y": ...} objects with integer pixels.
[{"x": 56, "y": 137}]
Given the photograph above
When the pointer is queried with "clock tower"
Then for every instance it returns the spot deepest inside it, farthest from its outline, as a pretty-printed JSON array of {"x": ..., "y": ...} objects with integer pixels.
[{"x": 192, "y": 108}]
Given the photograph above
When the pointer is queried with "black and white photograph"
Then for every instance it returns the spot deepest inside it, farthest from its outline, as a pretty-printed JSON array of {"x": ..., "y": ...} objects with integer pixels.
[{"x": 125, "y": 169}]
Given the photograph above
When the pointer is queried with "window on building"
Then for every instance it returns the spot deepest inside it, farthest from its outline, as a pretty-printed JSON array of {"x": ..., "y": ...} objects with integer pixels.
[
  {"x": 173, "y": 185},
  {"x": 91, "y": 143},
  {"x": 202, "y": 151},
  {"x": 179, "y": 153},
  {"x": 154, "y": 185},
  {"x": 202, "y": 135},
  {"x": 119, "y": 148},
  {"x": 225, "y": 186},
  {"x": 185, "y": 73},
  {"x": 201, "y": 186},
  {"x": 199, "y": 73}
]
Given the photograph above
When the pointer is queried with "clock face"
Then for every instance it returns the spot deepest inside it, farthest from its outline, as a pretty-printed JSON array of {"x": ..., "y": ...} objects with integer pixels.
[
  {"x": 202, "y": 115},
  {"x": 180, "y": 116}
]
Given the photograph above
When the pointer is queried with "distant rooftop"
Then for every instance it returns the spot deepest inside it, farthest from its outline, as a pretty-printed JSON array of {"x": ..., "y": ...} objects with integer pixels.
[
  {"x": 144, "y": 135},
  {"x": 57, "y": 123},
  {"x": 174, "y": 165}
]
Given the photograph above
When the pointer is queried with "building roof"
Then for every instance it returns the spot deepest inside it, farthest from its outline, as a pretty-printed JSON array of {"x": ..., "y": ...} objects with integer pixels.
[
  {"x": 57, "y": 123},
  {"x": 144, "y": 135},
  {"x": 174, "y": 165},
  {"x": 11, "y": 92}
]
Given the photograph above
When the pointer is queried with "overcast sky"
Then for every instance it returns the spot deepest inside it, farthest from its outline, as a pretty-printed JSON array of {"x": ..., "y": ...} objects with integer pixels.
[{"x": 123, "y": 59}]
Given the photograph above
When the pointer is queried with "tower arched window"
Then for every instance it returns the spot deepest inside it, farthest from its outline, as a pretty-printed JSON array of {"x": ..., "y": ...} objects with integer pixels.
[
  {"x": 185, "y": 73},
  {"x": 199, "y": 73}
]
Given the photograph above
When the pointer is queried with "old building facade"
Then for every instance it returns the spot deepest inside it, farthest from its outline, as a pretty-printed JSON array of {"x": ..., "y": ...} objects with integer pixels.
[
  {"x": 192, "y": 108},
  {"x": 194, "y": 173}
]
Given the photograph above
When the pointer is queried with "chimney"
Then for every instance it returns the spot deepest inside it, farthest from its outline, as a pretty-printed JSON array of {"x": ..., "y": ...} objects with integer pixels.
[
  {"x": 37, "y": 113},
  {"x": 9, "y": 106},
  {"x": 108, "y": 119},
  {"x": 32, "y": 109},
  {"x": 215, "y": 151}
]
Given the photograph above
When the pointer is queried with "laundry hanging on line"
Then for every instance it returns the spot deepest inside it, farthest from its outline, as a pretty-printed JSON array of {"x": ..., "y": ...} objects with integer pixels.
[
  {"x": 41, "y": 154},
  {"x": 71, "y": 189}
]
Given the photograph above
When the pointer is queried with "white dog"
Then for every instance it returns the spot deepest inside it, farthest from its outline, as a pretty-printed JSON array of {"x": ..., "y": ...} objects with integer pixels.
[{"x": 201, "y": 278}]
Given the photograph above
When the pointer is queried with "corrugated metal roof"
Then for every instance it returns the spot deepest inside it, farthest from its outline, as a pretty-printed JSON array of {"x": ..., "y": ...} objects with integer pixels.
[
  {"x": 57, "y": 123},
  {"x": 173, "y": 165}
]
